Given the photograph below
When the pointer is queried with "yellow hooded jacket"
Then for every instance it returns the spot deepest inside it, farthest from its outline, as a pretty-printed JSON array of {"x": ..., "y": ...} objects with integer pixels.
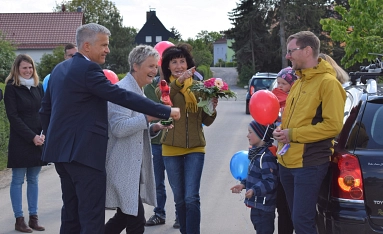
[{"x": 314, "y": 116}]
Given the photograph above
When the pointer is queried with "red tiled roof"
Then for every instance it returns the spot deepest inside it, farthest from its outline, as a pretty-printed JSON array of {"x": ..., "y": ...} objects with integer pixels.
[{"x": 40, "y": 30}]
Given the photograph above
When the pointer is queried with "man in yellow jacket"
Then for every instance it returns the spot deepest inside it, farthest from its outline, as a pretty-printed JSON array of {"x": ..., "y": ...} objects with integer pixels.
[{"x": 313, "y": 116}]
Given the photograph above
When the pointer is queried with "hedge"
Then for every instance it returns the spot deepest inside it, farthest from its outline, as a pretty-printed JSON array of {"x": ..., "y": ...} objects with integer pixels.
[{"x": 4, "y": 133}]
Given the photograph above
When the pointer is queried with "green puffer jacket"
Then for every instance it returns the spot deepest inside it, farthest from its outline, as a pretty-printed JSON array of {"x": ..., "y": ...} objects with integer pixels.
[
  {"x": 313, "y": 115},
  {"x": 187, "y": 131}
]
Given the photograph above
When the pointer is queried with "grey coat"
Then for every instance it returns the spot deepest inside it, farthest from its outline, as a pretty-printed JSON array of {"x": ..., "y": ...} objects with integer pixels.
[{"x": 129, "y": 164}]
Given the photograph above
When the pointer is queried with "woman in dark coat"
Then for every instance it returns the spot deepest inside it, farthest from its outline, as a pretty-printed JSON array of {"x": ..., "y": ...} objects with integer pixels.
[{"x": 22, "y": 99}]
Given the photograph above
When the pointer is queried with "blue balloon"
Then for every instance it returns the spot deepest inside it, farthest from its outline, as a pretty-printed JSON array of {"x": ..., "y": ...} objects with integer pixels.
[
  {"x": 239, "y": 165},
  {"x": 45, "y": 82}
]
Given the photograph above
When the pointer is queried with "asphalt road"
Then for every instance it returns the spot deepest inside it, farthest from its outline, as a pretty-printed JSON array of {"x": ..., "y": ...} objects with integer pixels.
[{"x": 222, "y": 211}]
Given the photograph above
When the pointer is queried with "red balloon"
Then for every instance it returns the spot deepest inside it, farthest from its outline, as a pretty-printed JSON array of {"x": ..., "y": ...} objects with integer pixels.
[
  {"x": 160, "y": 47},
  {"x": 264, "y": 107},
  {"x": 110, "y": 75}
]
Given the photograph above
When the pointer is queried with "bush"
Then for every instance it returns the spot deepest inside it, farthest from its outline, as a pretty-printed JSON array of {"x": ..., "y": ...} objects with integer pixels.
[
  {"x": 4, "y": 133},
  {"x": 7, "y": 56},
  {"x": 231, "y": 64},
  {"x": 218, "y": 64},
  {"x": 202, "y": 57},
  {"x": 49, "y": 61},
  {"x": 245, "y": 73},
  {"x": 205, "y": 71},
  {"x": 120, "y": 76}
]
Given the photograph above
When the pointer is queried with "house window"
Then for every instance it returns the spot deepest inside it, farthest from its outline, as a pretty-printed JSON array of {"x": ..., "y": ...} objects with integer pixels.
[
  {"x": 158, "y": 38},
  {"x": 148, "y": 39}
]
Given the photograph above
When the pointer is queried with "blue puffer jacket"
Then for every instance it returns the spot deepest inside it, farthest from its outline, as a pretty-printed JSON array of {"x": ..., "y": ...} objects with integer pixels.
[{"x": 262, "y": 179}]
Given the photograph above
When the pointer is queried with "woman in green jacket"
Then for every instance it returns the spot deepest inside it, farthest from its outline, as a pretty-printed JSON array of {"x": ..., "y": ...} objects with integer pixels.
[{"x": 183, "y": 147}]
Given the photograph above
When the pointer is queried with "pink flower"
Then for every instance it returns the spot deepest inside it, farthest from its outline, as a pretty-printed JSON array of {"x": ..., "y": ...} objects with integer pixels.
[
  {"x": 225, "y": 86},
  {"x": 213, "y": 87},
  {"x": 209, "y": 83},
  {"x": 218, "y": 83}
]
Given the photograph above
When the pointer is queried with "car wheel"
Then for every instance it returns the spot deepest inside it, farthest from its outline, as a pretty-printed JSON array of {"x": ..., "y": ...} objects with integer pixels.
[{"x": 247, "y": 108}]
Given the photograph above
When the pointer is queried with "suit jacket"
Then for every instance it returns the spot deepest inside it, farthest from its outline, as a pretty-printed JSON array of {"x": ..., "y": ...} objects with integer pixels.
[
  {"x": 74, "y": 112},
  {"x": 129, "y": 164}
]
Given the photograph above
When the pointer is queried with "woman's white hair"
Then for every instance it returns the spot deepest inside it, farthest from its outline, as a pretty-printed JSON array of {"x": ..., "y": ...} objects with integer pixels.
[{"x": 140, "y": 53}]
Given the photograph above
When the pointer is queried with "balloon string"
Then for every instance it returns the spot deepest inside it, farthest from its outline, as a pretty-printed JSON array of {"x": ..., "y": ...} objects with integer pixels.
[
  {"x": 246, "y": 209},
  {"x": 263, "y": 138},
  {"x": 246, "y": 218},
  {"x": 241, "y": 198}
]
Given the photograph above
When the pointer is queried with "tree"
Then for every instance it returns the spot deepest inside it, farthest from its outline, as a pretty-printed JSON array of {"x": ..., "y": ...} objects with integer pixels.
[
  {"x": 252, "y": 21},
  {"x": 300, "y": 15},
  {"x": 7, "y": 56},
  {"x": 282, "y": 31},
  {"x": 359, "y": 28},
  {"x": 220, "y": 62},
  {"x": 49, "y": 61},
  {"x": 102, "y": 12},
  {"x": 202, "y": 57},
  {"x": 200, "y": 52},
  {"x": 121, "y": 41},
  {"x": 177, "y": 34},
  {"x": 209, "y": 38},
  {"x": 261, "y": 27}
]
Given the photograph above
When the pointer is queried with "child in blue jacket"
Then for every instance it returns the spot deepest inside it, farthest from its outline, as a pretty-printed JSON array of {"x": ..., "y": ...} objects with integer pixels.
[{"x": 261, "y": 181}]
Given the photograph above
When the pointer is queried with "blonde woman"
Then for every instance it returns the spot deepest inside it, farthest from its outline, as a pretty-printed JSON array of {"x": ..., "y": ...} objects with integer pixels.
[
  {"x": 341, "y": 74},
  {"x": 22, "y": 98}
]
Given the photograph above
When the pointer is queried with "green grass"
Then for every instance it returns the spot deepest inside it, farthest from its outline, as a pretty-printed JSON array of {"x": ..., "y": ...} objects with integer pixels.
[{"x": 4, "y": 134}]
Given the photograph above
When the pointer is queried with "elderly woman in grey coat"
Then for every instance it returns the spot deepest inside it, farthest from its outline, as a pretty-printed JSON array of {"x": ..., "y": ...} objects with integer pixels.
[{"x": 129, "y": 165}]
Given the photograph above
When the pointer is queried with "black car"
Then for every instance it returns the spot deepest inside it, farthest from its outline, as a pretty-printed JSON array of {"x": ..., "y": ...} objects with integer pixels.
[
  {"x": 351, "y": 196},
  {"x": 261, "y": 80}
]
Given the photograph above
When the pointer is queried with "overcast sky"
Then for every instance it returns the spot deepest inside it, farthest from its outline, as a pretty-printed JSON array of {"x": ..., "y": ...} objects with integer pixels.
[{"x": 188, "y": 17}]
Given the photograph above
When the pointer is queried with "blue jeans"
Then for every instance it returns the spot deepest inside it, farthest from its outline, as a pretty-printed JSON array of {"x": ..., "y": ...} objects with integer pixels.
[
  {"x": 302, "y": 187},
  {"x": 263, "y": 221},
  {"x": 159, "y": 176},
  {"x": 184, "y": 174},
  {"x": 18, "y": 175}
]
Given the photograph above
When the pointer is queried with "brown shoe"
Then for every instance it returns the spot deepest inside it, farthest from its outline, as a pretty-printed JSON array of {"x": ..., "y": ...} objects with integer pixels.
[
  {"x": 21, "y": 226},
  {"x": 34, "y": 223}
]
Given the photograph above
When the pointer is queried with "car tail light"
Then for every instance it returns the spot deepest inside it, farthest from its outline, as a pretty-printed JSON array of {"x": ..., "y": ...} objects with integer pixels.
[
  {"x": 251, "y": 90},
  {"x": 347, "y": 177}
]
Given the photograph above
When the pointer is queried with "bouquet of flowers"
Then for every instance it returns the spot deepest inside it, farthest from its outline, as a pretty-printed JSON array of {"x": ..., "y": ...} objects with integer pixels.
[{"x": 207, "y": 89}]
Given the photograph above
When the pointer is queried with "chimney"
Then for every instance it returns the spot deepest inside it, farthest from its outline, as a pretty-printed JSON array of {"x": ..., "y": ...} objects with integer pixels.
[
  {"x": 79, "y": 9},
  {"x": 152, "y": 11}
]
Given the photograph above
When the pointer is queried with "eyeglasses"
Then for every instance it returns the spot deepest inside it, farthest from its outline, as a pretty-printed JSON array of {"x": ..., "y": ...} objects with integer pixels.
[{"x": 290, "y": 52}]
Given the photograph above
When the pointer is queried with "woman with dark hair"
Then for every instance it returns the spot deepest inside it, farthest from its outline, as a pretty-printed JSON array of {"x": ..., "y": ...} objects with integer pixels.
[
  {"x": 22, "y": 99},
  {"x": 183, "y": 146}
]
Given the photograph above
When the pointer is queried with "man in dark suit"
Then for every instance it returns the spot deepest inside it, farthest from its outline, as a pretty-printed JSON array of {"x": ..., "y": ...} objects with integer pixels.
[{"x": 74, "y": 118}]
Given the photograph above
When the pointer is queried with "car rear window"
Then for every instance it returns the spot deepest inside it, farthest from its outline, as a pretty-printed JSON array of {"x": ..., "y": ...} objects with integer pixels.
[
  {"x": 265, "y": 82},
  {"x": 369, "y": 132}
]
